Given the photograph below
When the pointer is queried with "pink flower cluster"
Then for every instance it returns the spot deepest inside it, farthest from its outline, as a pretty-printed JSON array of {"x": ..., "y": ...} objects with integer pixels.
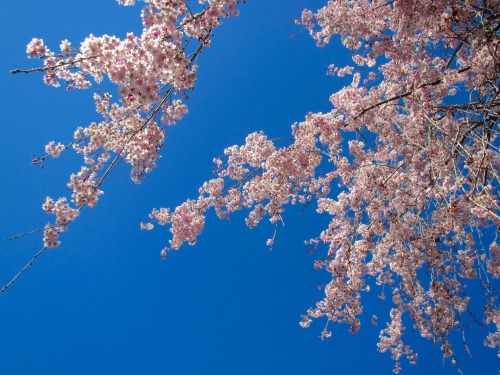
[
  {"x": 493, "y": 338},
  {"x": 54, "y": 149},
  {"x": 406, "y": 164},
  {"x": 64, "y": 215},
  {"x": 153, "y": 71},
  {"x": 409, "y": 167}
]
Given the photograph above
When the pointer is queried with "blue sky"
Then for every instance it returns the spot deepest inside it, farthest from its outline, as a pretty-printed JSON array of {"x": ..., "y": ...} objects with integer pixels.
[{"x": 104, "y": 302}]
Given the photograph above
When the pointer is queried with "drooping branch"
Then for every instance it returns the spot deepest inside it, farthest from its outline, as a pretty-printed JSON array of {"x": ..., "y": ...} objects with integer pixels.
[{"x": 28, "y": 265}]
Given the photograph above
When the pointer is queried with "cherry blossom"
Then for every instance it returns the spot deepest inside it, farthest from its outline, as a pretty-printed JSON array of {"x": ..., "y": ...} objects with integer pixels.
[
  {"x": 154, "y": 72},
  {"x": 405, "y": 164},
  {"x": 412, "y": 186}
]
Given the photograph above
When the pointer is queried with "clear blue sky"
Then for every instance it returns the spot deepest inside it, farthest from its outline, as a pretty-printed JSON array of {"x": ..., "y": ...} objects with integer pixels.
[{"x": 104, "y": 302}]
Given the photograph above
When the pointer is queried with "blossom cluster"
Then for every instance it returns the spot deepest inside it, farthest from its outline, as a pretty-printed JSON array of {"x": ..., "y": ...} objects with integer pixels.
[
  {"x": 412, "y": 184},
  {"x": 64, "y": 215},
  {"x": 153, "y": 71},
  {"x": 406, "y": 164}
]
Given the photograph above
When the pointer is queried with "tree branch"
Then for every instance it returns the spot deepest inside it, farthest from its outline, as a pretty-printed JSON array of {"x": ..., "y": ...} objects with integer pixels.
[{"x": 23, "y": 269}]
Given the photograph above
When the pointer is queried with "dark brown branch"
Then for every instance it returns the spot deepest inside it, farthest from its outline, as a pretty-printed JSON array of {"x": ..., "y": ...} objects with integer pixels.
[
  {"x": 397, "y": 97},
  {"x": 454, "y": 54},
  {"x": 24, "y": 269},
  {"x": 24, "y": 234},
  {"x": 47, "y": 68}
]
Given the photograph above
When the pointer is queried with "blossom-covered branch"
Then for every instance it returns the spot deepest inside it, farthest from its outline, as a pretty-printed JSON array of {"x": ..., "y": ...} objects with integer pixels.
[
  {"x": 154, "y": 73},
  {"x": 409, "y": 174}
]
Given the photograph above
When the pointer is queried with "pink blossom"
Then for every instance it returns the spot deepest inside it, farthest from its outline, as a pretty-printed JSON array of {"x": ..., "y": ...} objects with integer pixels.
[
  {"x": 53, "y": 149},
  {"x": 405, "y": 164}
]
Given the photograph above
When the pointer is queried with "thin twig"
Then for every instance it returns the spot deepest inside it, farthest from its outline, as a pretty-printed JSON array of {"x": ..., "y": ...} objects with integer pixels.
[
  {"x": 47, "y": 68},
  {"x": 23, "y": 234},
  {"x": 24, "y": 269}
]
